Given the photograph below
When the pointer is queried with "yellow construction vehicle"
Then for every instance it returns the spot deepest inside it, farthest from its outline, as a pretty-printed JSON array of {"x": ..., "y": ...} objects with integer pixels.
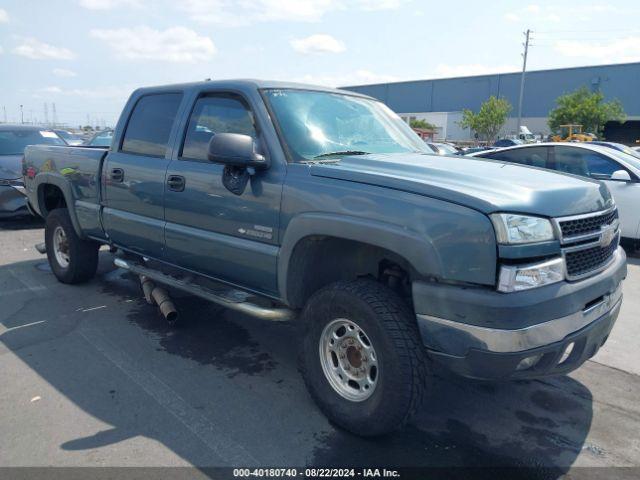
[{"x": 571, "y": 133}]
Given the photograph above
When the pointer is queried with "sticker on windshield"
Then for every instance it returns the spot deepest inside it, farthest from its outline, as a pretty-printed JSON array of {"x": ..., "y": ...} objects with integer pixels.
[{"x": 46, "y": 134}]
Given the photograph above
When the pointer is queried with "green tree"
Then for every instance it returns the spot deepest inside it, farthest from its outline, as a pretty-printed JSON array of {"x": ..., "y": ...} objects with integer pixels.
[
  {"x": 489, "y": 120},
  {"x": 422, "y": 124},
  {"x": 585, "y": 108}
]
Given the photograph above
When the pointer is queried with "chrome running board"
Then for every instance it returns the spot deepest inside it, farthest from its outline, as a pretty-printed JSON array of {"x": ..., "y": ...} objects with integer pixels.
[{"x": 227, "y": 297}]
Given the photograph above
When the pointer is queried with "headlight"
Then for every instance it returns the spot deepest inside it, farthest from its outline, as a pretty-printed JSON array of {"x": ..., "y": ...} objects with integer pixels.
[
  {"x": 514, "y": 229},
  {"x": 514, "y": 278}
]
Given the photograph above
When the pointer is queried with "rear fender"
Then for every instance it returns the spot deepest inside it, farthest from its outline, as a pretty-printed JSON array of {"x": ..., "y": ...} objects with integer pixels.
[{"x": 62, "y": 183}]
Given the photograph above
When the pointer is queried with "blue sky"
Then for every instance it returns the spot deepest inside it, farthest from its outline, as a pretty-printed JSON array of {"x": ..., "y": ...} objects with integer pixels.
[{"x": 88, "y": 55}]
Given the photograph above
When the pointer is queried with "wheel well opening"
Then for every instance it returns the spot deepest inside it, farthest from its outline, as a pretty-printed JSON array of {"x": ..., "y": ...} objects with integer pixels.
[
  {"x": 318, "y": 260},
  {"x": 50, "y": 197}
]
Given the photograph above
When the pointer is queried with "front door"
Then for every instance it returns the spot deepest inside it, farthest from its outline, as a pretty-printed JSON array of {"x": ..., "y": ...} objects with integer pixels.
[
  {"x": 134, "y": 176},
  {"x": 228, "y": 235}
]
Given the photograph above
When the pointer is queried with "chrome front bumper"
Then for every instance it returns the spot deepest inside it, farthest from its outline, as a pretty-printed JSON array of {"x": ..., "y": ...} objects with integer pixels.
[
  {"x": 481, "y": 333},
  {"x": 457, "y": 338}
]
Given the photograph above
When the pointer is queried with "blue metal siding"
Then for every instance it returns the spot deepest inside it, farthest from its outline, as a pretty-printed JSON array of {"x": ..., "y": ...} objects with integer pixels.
[
  {"x": 410, "y": 96},
  {"x": 457, "y": 93},
  {"x": 541, "y": 90}
]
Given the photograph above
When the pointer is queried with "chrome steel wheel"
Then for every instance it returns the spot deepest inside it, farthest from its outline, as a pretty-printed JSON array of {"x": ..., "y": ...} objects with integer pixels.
[
  {"x": 61, "y": 247},
  {"x": 348, "y": 360}
]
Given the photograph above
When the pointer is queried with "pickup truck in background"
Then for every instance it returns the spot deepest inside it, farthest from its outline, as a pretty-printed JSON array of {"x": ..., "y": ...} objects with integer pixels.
[{"x": 320, "y": 206}]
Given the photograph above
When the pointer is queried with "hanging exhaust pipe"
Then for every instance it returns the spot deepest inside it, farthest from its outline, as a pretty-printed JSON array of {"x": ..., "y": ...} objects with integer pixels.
[
  {"x": 168, "y": 310},
  {"x": 147, "y": 288},
  {"x": 159, "y": 296}
]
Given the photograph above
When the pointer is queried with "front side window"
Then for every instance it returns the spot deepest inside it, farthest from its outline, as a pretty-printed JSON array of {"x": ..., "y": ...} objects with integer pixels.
[
  {"x": 314, "y": 124},
  {"x": 534, "y": 156},
  {"x": 215, "y": 114},
  {"x": 150, "y": 124},
  {"x": 584, "y": 162}
]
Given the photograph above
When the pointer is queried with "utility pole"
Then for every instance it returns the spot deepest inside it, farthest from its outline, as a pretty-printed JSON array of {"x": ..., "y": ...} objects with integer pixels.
[
  {"x": 4, "y": 113},
  {"x": 46, "y": 114},
  {"x": 54, "y": 114},
  {"x": 21, "y": 114},
  {"x": 524, "y": 71}
]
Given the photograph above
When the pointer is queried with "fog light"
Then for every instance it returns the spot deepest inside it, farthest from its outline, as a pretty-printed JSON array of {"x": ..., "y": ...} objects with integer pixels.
[
  {"x": 566, "y": 353},
  {"x": 528, "y": 362}
]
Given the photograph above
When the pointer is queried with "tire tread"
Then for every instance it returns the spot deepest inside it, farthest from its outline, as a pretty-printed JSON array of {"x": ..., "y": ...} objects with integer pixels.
[{"x": 399, "y": 324}]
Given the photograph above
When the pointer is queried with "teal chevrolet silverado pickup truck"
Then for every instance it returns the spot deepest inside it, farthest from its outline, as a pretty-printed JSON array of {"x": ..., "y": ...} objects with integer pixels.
[{"x": 320, "y": 206}]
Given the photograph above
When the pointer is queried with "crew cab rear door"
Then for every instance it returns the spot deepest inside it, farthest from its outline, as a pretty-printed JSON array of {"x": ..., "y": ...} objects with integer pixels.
[
  {"x": 224, "y": 234},
  {"x": 134, "y": 174}
]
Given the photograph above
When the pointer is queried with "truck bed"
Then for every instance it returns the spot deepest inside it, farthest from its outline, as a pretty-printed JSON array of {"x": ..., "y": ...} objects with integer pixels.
[{"x": 75, "y": 167}]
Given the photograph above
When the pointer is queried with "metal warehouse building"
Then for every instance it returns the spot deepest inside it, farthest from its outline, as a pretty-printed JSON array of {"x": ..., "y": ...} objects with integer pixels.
[{"x": 441, "y": 101}]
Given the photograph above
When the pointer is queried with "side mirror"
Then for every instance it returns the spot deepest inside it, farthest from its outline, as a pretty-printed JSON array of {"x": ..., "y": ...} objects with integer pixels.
[
  {"x": 236, "y": 150},
  {"x": 621, "y": 176}
]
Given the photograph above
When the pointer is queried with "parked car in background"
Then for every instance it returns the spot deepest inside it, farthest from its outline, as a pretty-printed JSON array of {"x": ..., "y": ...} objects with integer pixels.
[
  {"x": 13, "y": 140},
  {"x": 620, "y": 171},
  {"x": 507, "y": 142},
  {"x": 618, "y": 146},
  {"x": 470, "y": 150},
  {"x": 442, "y": 148},
  {"x": 100, "y": 139},
  {"x": 69, "y": 137}
]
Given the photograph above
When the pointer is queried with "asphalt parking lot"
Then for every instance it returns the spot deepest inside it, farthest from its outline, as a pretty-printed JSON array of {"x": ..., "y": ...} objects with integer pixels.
[{"x": 92, "y": 376}]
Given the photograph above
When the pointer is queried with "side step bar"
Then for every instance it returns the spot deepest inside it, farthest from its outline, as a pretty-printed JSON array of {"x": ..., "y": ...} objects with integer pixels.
[{"x": 226, "y": 299}]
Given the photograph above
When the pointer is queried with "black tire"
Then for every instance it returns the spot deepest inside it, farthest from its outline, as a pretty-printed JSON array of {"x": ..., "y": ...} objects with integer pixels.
[
  {"x": 83, "y": 254},
  {"x": 392, "y": 330}
]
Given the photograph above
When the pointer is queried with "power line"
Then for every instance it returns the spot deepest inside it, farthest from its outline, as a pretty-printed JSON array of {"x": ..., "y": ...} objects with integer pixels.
[{"x": 617, "y": 30}]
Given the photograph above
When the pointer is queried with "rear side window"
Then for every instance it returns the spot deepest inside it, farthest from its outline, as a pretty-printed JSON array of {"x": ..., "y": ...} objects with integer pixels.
[
  {"x": 150, "y": 124},
  {"x": 534, "y": 156},
  {"x": 215, "y": 114}
]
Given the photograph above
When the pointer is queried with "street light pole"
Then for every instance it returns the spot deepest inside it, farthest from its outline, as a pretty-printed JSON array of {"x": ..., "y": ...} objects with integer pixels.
[
  {"x": 21, "y": 115},
  {"x": 524, "y": 70}
]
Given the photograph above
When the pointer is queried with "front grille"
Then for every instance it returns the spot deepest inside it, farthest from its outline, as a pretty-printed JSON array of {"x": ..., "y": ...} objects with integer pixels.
[
  {"x": 581, "y": 262},
  {"x": 587, "y": 225}
]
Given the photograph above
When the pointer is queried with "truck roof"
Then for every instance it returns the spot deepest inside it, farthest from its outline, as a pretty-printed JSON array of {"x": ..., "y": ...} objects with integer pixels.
[{"x": 244, "y": 84}]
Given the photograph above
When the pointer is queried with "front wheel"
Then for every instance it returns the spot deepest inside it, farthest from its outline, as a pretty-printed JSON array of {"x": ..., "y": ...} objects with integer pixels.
[
  {"x": 72, "y": 259},
  {"x": 361, "y": 357}
]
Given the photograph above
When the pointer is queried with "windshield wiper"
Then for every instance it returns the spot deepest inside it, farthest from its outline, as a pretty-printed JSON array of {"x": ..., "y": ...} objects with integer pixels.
[{"x": 343, "y": 152}]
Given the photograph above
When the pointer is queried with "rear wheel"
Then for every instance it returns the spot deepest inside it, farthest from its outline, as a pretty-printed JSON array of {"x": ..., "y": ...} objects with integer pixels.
[
  {"x": 72, "y": 259},
  {"x": 361, "y": 357}
]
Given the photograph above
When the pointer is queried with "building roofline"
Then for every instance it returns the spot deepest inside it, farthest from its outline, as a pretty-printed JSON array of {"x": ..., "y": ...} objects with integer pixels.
[{"x": 605, "y": 65}]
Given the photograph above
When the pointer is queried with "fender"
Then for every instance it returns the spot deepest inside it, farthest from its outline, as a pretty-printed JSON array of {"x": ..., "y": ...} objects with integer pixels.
[
  {"x": 54, "y": 178},
  {"x": 416, "y": 249}
]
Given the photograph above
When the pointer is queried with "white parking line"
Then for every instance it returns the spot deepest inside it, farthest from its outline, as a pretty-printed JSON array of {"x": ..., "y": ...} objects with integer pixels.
[
  {"x": 93, "y": 308},
  {"x": 226, "y": 449},
  {"x": 4, "y": 329}
]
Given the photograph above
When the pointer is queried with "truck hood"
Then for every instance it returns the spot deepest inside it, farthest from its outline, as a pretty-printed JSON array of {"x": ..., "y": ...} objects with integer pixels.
[
  {"x": 485, "y": 185},
  {"x": 10, "y": 167}
]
